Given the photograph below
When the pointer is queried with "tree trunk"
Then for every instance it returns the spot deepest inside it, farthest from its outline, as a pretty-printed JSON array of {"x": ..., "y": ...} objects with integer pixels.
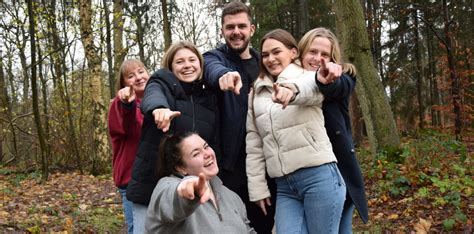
[
  {"x": 100, "y": 140},
  {"x": 5, "y": 111},
  {"x": 108, "y": 43},
  {"x": 44, "y": 91},
  {"x": 119, "y": 51},
  {"x": 34, "y": 92},
  {"x": 419, "y": 70},
  {"x": 378, "y": 116},
  {"x": 455, "y": 85},
  {"x": 166, "y": 25},
  {"x": 357, "y": 121},
  {"x": 302, "y": 17}
]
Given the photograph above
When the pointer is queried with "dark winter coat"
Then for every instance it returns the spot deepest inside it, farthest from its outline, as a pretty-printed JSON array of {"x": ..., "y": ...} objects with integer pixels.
[
  {"x": 198, "y": 113},
  {"x": 338, "y": 127},
  {"x": 232, "y": 107}
]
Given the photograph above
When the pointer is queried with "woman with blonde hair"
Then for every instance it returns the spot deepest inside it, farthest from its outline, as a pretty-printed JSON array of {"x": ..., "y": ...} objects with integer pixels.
[
  {"x": 290, "y": 142},
  {"x": 125, "y": 124},
  {"x": 320, "y": 46},
  {"x": 175, "y": 99}
]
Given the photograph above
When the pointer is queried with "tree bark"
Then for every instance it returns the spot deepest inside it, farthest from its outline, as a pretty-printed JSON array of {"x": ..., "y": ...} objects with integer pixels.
[
  {"x": 108, "y": 43},
  {"x": 34, "y": 92},
  {"x": 119, "y": 51},
  {"x": 166, "y": 25},
  {"x": 455, "y": 85},
  {"x": 378, "y": 116},
  {"x": 5, "y": 111},
  {"x": 419, "y": 70},
  {"x": 100, "y": 140},
  {"x": 302, "y": 17}
]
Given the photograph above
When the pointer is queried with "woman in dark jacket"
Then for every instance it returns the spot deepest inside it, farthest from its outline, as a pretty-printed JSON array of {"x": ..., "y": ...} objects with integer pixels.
[
  {"x": 175, "y": 99},
  {"x": 318, "y": 46}
]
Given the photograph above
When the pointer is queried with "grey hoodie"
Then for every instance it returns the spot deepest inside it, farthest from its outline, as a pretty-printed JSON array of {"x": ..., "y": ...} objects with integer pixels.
[{"x": 169, "y": 213}]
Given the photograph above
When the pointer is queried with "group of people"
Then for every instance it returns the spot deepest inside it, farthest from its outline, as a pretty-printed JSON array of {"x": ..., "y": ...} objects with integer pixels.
[{"x": 236, "y": 140}]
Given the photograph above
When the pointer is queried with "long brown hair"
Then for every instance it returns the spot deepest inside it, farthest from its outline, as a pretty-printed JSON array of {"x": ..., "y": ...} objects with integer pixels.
[{"x": 282, "y": 36}]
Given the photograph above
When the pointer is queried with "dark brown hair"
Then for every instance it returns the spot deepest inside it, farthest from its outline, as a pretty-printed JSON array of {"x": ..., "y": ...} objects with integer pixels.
[
  {"x": 170, "y": 154},
  {"x": 282, "y": 36},
  {"x": 233, "y": 8}
]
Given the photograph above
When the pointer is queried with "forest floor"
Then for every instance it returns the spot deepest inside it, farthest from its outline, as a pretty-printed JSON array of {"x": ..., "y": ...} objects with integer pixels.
[{"x": 433, "y": 195}]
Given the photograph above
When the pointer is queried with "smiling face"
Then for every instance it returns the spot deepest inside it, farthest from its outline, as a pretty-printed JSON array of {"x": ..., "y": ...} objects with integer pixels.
[
  {"x": 276, "y": 56},
  {"x": 186, "y": 65},
  {"x": 197, "y": 157},
  {"x": 135, "y": 75},
  {"x": 320, "y": 48},
  {"x": 237, "y": 30}
]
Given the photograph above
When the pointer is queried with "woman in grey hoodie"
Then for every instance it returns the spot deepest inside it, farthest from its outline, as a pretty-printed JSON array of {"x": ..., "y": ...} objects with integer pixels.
[{"x": 189, "y": 197}]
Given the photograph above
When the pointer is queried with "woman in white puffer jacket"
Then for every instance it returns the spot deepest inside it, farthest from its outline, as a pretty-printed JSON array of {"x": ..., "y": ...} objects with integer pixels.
[{"x": 291, "y": 143}]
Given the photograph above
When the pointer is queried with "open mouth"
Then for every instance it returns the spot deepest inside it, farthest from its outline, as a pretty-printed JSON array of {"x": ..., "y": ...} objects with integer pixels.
[{"x": 208, "y": 164}]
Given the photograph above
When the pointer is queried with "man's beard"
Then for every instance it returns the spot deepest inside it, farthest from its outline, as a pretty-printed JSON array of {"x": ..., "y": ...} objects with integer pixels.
[{"x": 238, "y": 50}]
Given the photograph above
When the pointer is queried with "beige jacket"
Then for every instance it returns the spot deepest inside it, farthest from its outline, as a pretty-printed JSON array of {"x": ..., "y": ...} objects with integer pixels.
[{"x": 284, "y": 140}]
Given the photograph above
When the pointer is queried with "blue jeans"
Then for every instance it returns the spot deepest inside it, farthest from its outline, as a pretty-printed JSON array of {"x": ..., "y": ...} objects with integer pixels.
[
  {"x": 139, "y": 216},
  {"x": 127, "y": 210},
  {"x": 346, "y": 220},
  {"x": 310, "y": 200}
]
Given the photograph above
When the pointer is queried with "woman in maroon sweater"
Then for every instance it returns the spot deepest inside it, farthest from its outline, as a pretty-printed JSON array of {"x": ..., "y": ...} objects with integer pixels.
[{"x": 125, "y": 125}]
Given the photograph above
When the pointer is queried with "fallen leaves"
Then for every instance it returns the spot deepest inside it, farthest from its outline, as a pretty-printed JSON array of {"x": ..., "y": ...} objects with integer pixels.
[
  {"x": 423, "y": 226},
  {"x": 68, "y": 202}
]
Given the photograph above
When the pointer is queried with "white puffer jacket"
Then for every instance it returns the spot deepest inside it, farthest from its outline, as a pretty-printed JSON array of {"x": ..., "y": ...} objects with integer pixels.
[{"x": 284, "y": 140}]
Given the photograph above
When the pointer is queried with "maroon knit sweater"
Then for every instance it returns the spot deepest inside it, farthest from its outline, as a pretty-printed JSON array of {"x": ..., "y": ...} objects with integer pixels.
[{"x": 125, "y": 126}]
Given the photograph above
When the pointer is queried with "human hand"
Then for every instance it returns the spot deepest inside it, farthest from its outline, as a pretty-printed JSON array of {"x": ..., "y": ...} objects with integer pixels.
[
  {"x": 282, "y": 95},
  {"x": 127, "y": 94},
  {"x": 197, "y": 186},
  {"x": 262, "y": 203},
  {"x": 231, "y": 81},
  {"x": 163, "y": 117},
  {"x": 329, "y": 72}
]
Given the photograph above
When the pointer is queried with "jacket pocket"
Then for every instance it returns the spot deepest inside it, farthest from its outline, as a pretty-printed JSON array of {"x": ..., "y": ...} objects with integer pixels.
[{"x": 310, "y": 139}]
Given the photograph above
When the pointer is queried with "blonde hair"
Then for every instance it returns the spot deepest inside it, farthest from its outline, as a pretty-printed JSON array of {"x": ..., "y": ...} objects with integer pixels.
[
  {"x": 168, "y": 57},
  {"x": 123, "y": 68},
  {"x": 336, "y": 57}
]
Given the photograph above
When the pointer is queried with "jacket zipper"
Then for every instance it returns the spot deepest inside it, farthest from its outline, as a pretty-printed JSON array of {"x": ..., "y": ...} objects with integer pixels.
[
  {"x": 194, "y": 118},
  {"x": 274, "y": 139}
]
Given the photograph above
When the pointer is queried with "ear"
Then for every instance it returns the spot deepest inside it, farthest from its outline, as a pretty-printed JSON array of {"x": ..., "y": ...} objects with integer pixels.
[
  {"x": 252, "y": 29},
  {"x": 181, "y": 170},
  {"x": 294, "y": 54}
]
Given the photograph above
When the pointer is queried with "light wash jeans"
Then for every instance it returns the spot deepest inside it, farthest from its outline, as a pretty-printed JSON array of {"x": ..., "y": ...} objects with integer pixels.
[
  {"x": 139, "y": 216},
  {"x": 310, "y": 200},
  {"x": 127, "y": 210},
  {"x": 345, "y": 227}
]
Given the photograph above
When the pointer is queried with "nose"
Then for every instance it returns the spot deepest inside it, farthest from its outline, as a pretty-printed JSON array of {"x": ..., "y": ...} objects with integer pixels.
[
  {"x": 235, "y": 30},
  {"x": 271, "y": 57},
  {"x": 187, "y": 64},
  {"x": 208, "y": 152}
]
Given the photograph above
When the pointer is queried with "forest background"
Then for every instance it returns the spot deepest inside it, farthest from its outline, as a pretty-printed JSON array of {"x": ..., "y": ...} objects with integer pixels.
[{"x": 412, "y": 112}]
